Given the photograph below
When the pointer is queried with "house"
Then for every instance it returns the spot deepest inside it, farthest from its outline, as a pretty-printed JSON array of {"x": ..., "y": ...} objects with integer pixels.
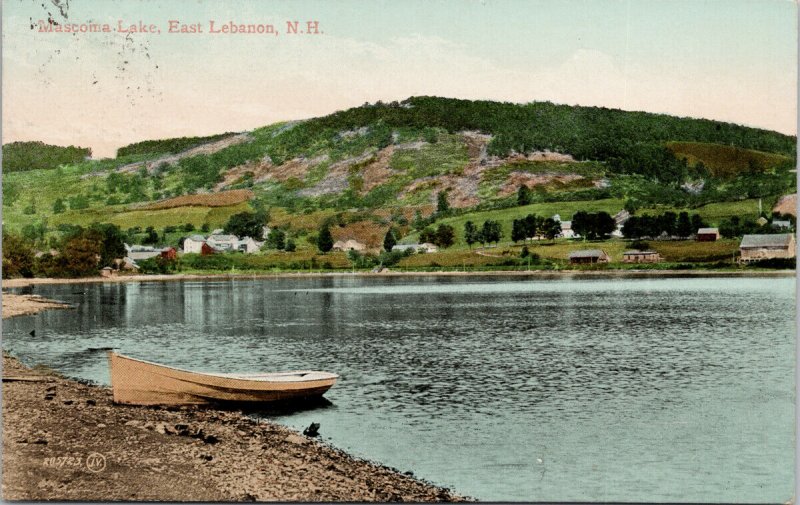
[
  {"x": 782, "y": 224},
  {"x": 620, "y": 218},
  {"x": 566, "y": 229},
  {"x": 197, "y": 244},
  {"x": 763, "y": 247},
  {"x": 194, "y": 244},
  {"x": 640, "y": 257},
  {"x": 107, "y": 272},
  {"x": 707, "y": 234},
  {"x": 141, "y": 252},
  {"x": 349, "y": 245},
  {"x": 222, "y": 242},
  {"x": 248, "y": 245},
  {"x": 588, "y": 256},
  {"x": 426, "y": 247}
]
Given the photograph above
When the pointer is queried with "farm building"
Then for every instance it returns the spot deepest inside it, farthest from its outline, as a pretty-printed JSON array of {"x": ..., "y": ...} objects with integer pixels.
[
  {"x": 588, "y": 256},
  {"x": 782, "y": 224},
  {"x": 419, "y": 248},
  {"x": 640, "y": 257},
  {"x": 762, "y": 247},
  {"x": 220, "y": 243},
  {"x": 169, "y": 253},
  {"x": 708, "y": 234},
  {"x": 144, "y": 252},
  {"x": 349, "y": 245},
  {"x": 566, "y": 229}
]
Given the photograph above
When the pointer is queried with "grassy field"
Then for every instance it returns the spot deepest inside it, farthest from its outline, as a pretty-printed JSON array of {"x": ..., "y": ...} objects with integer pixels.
[
  {"x": 214, "y": 216},
  {"x": 221, "y": 199},
  {"x": 672, "y": 251},
  {"x": 725, "y": 161}
]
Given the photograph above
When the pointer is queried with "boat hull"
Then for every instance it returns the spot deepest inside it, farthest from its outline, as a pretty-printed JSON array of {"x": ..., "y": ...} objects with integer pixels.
[{"x": 136, "y": 382}]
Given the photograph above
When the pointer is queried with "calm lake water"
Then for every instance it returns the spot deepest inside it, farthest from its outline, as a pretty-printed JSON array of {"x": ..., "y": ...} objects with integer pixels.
[{"x": 668, "y": 389}]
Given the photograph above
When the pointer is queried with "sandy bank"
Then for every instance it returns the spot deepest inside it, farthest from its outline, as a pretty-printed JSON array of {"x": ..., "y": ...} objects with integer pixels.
[
  {"x": 64, "y": 440},
  {"x": 544, "y": 274},
  {"x": 23, "y": 305}
]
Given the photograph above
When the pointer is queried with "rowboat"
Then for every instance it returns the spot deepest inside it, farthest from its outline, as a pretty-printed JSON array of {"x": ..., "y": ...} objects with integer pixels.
[{"x": 138, "y": 382}]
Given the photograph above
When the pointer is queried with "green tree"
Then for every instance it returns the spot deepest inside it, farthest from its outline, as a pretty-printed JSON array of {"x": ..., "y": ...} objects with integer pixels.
[
  {"x": 442, "y": 205},
  {"x": 491, "y": 231},
  {"x": 471, "y": 233},
  {"x": 112, "y": 242},
  {"x": 518, "y": 231},
  {"x": 551, "y": 228},
  {"x": 80, "y": 257},
  {"x": 290, "y": 246},
  {"x": 18, "y": 257},
  {"x": 389, "y": 241},
  {"x": 325, "y": 239},
  {"x": 58, "y": 206},
  {"x": 151, "y": 236},
  {"x": 684, "y": 228},
  {"x": 445, "y": 236},
  {"x": 277, "y": 239},
  {"x": 78, "y": 202},
  {"x": 245, "y": 224},
  {"x": 524, "y": 195}
]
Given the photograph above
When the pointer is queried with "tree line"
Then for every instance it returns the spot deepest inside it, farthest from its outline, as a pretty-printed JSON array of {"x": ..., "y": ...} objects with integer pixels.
[{"x": 23, "y": 156}]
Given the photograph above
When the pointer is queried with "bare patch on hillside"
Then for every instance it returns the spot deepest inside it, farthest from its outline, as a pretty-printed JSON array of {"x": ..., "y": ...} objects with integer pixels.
[
  {"x": 518, "y": 179},
  {"x": 787, "y": 205},
  {"x": 368, "y": 233},
  {"x": 172, "y": 159}
]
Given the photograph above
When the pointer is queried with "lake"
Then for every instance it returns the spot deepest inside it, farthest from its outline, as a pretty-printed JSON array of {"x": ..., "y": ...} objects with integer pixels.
[{"x": 503, "y": 388}]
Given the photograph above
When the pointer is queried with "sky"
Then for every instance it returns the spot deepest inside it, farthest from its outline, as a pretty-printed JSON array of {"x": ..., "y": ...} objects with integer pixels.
[{"x": 727, "y": 60}]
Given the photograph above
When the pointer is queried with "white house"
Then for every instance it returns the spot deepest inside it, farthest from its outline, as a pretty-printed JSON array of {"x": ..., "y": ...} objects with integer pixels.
[
  {"x": 142, "y": 252},
  {"x": 566, "y": 229},
  {"x": 222, "y": 243},
  {"x": 193, "y": 244},
  {"x": 427, "y": 247}
]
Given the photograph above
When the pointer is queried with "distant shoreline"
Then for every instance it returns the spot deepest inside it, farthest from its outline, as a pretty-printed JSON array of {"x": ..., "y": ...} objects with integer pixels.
[{"x": 20, "y": 283}]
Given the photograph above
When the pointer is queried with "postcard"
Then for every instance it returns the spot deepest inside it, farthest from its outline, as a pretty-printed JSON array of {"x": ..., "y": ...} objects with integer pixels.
[{"x": 373, "y": 251}]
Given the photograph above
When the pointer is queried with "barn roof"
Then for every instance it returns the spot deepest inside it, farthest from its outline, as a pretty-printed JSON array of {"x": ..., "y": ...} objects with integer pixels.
[
  {"x": 777, "y": 240},
  {"x": 587, "y": 253},
  {"x": 707, "y": 230},
  {"x": 639, "y": 252}
]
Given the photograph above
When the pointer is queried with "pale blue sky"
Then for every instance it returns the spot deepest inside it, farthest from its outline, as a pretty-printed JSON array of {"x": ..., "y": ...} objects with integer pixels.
[{"x": 727, "y": 60}]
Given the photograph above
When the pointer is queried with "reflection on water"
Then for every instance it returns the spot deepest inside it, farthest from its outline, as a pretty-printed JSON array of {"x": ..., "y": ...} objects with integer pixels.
[{"x": 505, "y": 389}]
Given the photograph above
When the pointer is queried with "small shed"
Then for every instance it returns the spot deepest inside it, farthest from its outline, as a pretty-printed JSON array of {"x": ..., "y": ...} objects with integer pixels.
[
  {"x": 641, "y": 257},
  {"x": 764, "y": 247},
  {"x": 107, "y": 272},
  {"x": 781, "y": 224},
  {"x": 708, "y": 234},
  {"x": 207, "y": 250},
  {"x": 588, "y": 256},
  {"x": 169, "y": 253}
]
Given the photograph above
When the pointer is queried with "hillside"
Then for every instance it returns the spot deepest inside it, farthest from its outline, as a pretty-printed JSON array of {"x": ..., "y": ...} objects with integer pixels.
[{"x": 387, "y": 164}]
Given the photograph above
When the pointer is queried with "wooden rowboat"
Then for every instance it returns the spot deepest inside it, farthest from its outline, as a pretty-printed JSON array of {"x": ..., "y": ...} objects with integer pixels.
[{"x": 137, "y": 382}]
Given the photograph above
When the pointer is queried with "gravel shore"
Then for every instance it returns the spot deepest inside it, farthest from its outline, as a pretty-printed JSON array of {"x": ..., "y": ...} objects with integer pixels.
[{"x": 64, "y": 440}]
